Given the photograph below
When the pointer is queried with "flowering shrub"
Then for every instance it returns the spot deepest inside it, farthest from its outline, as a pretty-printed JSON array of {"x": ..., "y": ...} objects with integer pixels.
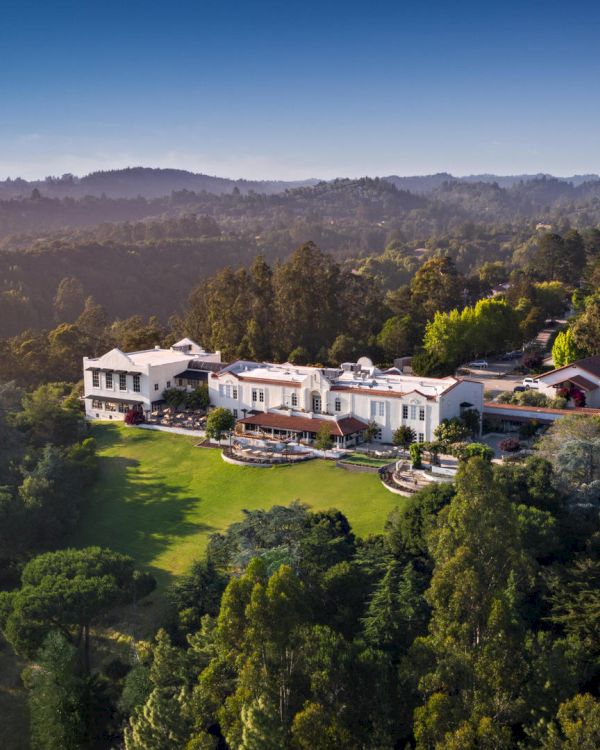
[
  {"x": 134, "y": 416},
  {"x": 510, "y": 445},
  {"x": 573, "y": 394}
]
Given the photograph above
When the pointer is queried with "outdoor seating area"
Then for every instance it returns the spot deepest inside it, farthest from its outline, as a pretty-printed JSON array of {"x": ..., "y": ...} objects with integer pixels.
[
  {"x": 168, "y": 417},
  {"x": 405, "y": 479},
  {"x": 264, "y": 453},
  {"x": 377, "y": 450}
]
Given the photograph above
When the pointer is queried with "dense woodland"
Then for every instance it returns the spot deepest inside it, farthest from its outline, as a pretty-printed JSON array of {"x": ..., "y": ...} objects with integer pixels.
[
  {"x": 312, "y": 308},
  {"x": 144, "y": 255},
  {"x": 470, "y": 623}
]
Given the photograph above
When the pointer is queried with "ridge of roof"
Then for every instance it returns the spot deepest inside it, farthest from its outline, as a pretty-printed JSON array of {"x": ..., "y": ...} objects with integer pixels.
[{"x": 584, "y": 364}]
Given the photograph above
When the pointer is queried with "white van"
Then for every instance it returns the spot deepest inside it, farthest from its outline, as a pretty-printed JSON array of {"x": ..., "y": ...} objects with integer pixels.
[{"x": 531, "y": 383}]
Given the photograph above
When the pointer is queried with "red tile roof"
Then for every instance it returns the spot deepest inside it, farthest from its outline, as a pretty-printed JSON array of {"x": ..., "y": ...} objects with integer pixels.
[
  {"x": 540, "y": 409},
  {"x": 344, "y": 426}
]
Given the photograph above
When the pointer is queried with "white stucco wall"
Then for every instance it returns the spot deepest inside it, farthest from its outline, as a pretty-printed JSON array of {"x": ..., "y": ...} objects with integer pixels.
[
  {"x": 353, "y": 402},
  {"x": 154, "y": 378}
]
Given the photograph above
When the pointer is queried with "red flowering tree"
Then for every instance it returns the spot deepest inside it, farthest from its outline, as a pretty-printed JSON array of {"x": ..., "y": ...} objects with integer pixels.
[{"x": 134, "y": 416}]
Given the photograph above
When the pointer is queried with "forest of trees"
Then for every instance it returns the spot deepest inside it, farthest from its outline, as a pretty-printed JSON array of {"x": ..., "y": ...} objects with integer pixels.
[
  {"x": 47, "y": 460},
  {"x": 158, "y": 248},
  {"x": 472, "y": 622},
  {"x": 312, "y": 308}
]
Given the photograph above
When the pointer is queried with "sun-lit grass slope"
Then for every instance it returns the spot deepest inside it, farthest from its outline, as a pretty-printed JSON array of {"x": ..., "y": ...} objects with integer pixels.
[{"x": 159, "y": 498}]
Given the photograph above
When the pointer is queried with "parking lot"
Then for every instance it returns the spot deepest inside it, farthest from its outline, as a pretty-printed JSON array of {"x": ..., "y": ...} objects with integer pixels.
[{"x": 499, "y": 376}]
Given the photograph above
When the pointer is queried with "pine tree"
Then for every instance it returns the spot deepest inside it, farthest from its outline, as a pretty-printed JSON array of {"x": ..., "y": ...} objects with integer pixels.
[
  {"x": 58, "y": 697},
  {"x": 161, "y": 723},
  {"x": 397, "y": 612}
]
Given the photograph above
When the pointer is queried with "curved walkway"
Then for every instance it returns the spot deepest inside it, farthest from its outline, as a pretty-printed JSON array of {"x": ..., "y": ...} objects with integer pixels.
[{"x": 231, "y": 457}]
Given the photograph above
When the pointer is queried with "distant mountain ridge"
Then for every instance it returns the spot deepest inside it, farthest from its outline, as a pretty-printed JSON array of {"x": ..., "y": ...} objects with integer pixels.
[
  {"x": 147, "y": 182},
  {"x": 150, "y": 182},
  {"x": 428, "y": 183}
]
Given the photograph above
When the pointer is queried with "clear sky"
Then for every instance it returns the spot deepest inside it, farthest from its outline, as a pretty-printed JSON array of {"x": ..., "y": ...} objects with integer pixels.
[{"x": 300, "y": 89}]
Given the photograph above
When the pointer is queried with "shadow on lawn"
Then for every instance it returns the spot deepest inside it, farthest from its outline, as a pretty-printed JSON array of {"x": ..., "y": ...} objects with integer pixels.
[{"x": 130, "y": 510}]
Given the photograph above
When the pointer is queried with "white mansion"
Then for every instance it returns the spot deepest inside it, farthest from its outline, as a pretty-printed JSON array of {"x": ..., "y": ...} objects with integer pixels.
[
  {"x": 281, "y": 400},
  {"x": 117, "y": 382}
]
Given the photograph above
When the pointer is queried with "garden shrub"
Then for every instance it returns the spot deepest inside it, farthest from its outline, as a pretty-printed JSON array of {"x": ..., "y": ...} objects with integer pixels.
[
  {"x": 530, "y": 398},
  {"x": 415, "y": 455},
  {"x": 510, "y": 445},
  {"x": 471, "y": 450},
  {"x": 533, "y": 359}
]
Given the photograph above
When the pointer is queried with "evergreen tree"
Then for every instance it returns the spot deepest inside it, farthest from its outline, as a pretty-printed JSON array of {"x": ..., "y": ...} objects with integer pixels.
[
  {"x": 161, "y": 723},
  {"x": 476, "y": 629},
  {"x": 397, "y": 612},
  {"x": 577, "y": 726},
  {"x": 58, "y": 697}
]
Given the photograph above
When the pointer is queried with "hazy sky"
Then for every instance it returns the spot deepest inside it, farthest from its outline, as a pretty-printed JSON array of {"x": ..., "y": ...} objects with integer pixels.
[{"x": 300, "y": 89}]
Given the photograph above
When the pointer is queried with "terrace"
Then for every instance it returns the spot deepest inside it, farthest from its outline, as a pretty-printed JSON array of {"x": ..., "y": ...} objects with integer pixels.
[
  {"x": 406, "y": 480},
  {"x": 265, "y": 453},
  {"x": 188, "y": 419}
]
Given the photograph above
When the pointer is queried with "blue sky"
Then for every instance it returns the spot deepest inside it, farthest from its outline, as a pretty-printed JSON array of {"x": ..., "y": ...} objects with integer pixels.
[{"x": 299, "y": 89}]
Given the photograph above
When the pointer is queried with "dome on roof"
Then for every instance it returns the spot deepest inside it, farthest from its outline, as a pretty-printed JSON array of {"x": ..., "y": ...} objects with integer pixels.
[{"x": 365, "y": 363}]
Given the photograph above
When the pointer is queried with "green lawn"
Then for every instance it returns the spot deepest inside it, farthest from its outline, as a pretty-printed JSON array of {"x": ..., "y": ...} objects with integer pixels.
[{"x": 159, "y": 497}]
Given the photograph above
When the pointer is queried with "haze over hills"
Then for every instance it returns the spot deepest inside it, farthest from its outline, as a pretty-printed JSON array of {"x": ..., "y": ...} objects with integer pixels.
[
  {"x": 150, "y": 182},
  {"x": 427, "y": 183},
  {"x": 147, "y": 182}
]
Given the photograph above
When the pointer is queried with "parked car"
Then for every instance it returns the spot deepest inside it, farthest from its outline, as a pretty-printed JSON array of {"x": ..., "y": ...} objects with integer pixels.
[
  {"x": 519, "y": 389},
  {"x": 531, "y": 383},
  {"x": 509, "y": 356},
  {"x": 480, "y": 364}
]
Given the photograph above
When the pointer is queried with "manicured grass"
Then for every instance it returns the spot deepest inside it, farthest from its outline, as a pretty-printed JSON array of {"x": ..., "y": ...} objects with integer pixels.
[{"x": 159, "y": 498}]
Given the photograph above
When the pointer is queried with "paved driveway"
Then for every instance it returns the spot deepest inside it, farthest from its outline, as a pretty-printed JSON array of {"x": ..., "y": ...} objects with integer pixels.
[{"x": 498, "y": 377}]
